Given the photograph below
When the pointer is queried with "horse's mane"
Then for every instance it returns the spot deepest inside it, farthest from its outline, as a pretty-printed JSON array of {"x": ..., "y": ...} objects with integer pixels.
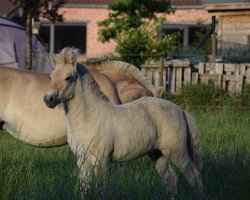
[
  {"x": 92, "y": 84},
  {"x": 67, "y": 55},
  {"x": 126, "y": 69}
]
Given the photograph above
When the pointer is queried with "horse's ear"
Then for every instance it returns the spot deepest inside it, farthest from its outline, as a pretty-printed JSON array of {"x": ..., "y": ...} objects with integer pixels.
[
  {"x": 159, "y": 92},
  {"x": 53, "y": 59},
  {"x": 71, "y": 59}
]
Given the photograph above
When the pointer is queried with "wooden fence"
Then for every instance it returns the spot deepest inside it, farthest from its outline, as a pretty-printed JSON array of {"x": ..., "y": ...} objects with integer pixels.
[{"x": 176, "y": 73}]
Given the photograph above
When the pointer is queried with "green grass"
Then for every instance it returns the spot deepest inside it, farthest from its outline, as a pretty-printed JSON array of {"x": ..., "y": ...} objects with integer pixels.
[{"x": 27, "y": 172}]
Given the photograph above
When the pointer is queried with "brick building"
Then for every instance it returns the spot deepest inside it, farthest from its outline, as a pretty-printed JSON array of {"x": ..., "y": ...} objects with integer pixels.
[{"x": 79, "y": 27}]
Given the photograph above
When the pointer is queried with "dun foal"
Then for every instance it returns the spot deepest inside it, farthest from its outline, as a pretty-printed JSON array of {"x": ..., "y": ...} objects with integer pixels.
[{"x": 100, "y": 132}]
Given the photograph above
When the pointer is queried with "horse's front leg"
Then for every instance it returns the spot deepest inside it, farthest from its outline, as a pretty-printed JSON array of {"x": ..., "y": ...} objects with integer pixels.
[
  {"x": 86, "y": 173},
  {"x": 102, "y": 173},
  {"x": 93, "y": 166}
]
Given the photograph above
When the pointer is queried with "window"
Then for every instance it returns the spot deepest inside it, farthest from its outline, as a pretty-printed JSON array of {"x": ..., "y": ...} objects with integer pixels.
[
  {"x": 44, "y": 33},
  {"x": 191, "y": 34},
  {"x": 196, "y": 33},
  {"x": 63, "y": 35},
  {"x": 174, "y": 31},
  {"x": 73, "y": 36}
]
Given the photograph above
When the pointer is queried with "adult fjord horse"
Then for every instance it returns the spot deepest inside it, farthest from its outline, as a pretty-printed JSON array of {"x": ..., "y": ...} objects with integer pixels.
[
  {"x": 100, "y": 132},
  {"x": 24, "y": 115}
]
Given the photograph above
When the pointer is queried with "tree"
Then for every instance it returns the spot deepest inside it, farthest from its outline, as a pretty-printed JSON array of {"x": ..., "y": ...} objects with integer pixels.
[
  {"x": 28, "y": 9},
  {"x": 134, "y": 25}
]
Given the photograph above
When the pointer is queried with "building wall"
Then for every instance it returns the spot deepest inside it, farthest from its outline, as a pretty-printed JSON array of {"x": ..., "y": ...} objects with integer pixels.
[
  {"x": 90, "y": 15},
  {"x": 234, "y": 29},
  {"x": 189, "y": 16}
]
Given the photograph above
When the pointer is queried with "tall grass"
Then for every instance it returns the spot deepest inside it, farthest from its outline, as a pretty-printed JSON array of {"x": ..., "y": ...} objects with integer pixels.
[
  {"x": 225, "y": 139},
  {"x": 27, "y": 172}
]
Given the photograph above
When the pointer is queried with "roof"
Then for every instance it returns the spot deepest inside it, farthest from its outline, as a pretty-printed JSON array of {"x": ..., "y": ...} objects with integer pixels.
[
  {"x": 8, "y": 8},
  {"x": 93, "y": 2},
  {"x": 226, "y": 5},
  {"x": 104, "y": 3},
  {"x": 186, "y": 2},
  {"x": 224, "y": 1},
  {"x": 96, "y": 2},
  {"x": 86, "y": 3}
]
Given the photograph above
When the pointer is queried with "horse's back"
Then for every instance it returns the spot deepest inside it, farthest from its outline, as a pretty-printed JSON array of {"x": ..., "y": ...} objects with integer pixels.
[{"x": 168, "y": 120}]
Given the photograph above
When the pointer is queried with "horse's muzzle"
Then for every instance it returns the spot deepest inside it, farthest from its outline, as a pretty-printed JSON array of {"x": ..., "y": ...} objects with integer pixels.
[{"x": 51, "y": 99}]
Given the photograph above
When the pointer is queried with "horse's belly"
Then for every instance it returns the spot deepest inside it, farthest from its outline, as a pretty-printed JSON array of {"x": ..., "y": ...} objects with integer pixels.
[
  {"x": 123, "y": 157},
  {"x": 40, "y": 138},
  {"x": 35, "y": 130},
  {"x": 132, "y": 149}
]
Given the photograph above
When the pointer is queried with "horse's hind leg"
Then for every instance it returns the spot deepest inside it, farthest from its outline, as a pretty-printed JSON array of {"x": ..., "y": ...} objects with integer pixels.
[
  {"x": 1, "y": 125},
  {"x": 168, "y": 175},
  {"x": 190, "y": 171}
]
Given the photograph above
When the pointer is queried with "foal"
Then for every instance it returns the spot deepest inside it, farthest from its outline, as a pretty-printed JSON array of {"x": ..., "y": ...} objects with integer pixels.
[{"x": 100, "y": 132}]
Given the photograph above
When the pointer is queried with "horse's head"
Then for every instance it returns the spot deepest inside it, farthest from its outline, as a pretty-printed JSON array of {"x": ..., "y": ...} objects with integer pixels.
[{"x": 63, "y": 77}]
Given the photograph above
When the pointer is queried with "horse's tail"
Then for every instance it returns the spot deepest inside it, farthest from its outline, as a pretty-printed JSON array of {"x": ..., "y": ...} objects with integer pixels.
[{"x": 194, "y": 151}]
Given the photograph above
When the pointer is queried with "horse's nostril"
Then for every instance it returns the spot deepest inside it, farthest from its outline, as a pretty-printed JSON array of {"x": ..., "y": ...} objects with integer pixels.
[{"x": 51, "y": 99}]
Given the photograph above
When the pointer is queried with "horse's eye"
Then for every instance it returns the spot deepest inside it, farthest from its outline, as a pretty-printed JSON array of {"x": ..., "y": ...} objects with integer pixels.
[
  {"x": 67, "y": 78},
  {"x": 49, "y": 78}
]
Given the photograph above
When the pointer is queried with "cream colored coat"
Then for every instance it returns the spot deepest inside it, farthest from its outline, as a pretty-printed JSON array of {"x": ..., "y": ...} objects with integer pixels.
[{"x": 25, "y": 116}]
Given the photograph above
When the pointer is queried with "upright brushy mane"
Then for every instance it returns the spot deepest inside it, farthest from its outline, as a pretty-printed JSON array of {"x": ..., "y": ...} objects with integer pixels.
[
  {"x": 128, "y": 70},
  {"x": 93, "y": 87},
  {"x": 67, "y": 55}
]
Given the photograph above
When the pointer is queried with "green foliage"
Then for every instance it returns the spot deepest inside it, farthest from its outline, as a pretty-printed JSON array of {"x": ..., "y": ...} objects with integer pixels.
[
  {"x": 138, "y": 45},
  {"x": 192, "y": 50},
  {"x": 38, "y": 8},
  {"x": 201, "y": 95},
  {"x": 245, "y": 96},
  {"x": 126, "y": 14},
  {"x": 206, "y": 49},
  {"x": 134, "y": 26}
]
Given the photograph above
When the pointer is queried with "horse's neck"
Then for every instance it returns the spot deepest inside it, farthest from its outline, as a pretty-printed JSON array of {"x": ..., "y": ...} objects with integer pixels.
[{"x": 87, "y": 101}]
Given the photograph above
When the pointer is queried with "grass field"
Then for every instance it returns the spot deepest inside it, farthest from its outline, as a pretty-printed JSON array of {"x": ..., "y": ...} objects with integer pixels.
[{"x": 27, "y": 172}]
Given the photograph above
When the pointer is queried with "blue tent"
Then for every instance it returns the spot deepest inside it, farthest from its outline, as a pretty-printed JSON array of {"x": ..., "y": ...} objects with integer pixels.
[{"x": 12, "y": 48}]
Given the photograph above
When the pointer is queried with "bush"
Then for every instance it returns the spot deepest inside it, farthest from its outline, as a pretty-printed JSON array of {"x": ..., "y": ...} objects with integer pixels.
[
  {"x": 245, "y": 96},
  {"x": 201, "y": 95},
  {"x": 198, "y": 94}
]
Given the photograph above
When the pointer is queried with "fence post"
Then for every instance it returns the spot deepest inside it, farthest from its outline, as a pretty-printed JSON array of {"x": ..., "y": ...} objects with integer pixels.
[
  {"x": 161, "y": 71},
  {"x": 176, "y": 73}
]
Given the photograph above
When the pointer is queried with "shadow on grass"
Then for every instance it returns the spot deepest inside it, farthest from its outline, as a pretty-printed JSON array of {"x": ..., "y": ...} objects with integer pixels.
[{"x": 227, "y": 177}]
